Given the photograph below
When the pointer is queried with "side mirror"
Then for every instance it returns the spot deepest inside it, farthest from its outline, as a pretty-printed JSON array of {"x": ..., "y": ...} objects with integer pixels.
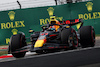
[{"x": 31, "y": 31}]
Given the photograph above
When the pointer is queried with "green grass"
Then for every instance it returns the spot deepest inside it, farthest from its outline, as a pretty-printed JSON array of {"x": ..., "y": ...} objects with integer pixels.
[
  {"x": 3, "y": 53},
  {"x": 3, "y": 45},
  {"x": 97, "y": 35}
]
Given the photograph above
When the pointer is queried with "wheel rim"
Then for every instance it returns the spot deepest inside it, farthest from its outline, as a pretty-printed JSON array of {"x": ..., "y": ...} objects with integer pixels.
[
  {"x": 75, "y": 40},
  {"x": 70, "y": 41}
]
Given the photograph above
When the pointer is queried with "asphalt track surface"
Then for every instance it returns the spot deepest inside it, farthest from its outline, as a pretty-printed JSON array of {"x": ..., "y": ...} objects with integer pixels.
[{"x": 87, "y": 57}]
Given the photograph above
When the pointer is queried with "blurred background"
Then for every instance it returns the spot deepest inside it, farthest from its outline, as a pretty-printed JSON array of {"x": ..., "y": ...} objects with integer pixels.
[{"x": 20, "y": 4}]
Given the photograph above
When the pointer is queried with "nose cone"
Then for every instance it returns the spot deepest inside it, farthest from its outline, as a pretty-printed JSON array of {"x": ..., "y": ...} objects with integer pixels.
[{"x": 39, "y": 43}]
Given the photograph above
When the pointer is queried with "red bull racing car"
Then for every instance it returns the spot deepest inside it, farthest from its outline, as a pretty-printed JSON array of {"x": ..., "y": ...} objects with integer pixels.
[{"x": 54, "y": 36}]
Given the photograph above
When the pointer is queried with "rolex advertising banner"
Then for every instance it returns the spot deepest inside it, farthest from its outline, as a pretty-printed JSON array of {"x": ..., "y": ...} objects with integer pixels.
[{"x": 14, "y": 21}]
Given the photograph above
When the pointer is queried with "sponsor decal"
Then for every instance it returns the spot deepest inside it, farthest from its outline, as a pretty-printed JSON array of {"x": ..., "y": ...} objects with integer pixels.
[
  {"x": 51, "y": 13},
  {"x": 12, "y": 24},
  {"x": 90, "y": 14},
  {"x": 89, "y": 6}
]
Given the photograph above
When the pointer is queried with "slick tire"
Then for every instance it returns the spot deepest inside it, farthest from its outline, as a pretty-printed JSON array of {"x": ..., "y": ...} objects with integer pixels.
[
  {"x": 87, "y": 36},
  {"x": 19, "y": 55},
  {"x": 17, "y": 42},
  {"x": 69, "y": 37}
]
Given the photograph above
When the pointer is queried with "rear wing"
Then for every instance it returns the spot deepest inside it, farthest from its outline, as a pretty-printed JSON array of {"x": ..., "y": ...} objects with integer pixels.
[{"x": 73, "y": 22}]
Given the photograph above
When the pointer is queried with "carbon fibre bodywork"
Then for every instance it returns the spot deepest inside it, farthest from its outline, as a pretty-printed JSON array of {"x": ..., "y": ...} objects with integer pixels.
[{"x": 51, "y": 39}]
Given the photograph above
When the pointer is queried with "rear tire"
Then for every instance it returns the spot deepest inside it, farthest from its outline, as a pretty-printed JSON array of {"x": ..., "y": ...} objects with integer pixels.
[
  {"x": 87, "y": 36},
  {"x": 17, "y": 42}
]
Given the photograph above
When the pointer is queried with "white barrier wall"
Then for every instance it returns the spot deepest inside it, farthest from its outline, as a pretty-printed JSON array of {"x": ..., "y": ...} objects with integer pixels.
[
  {"x": 27, "y": 4},
  {"x": 33, "y": 3}
]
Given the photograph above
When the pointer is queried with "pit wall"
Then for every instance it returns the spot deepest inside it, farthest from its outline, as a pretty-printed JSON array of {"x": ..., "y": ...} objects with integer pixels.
[{"x": 13, "y": 21}]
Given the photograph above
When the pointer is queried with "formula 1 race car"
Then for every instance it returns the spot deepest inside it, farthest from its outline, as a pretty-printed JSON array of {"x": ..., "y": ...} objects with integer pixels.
[{"x": 50, "y": 38}]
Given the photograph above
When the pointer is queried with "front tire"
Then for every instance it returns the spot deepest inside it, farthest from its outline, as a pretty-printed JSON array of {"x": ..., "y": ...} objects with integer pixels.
[
  {"x": 19, "y": 55},
  {"x": 16, "y": 42},
  {"x": 68, "y": 36}
]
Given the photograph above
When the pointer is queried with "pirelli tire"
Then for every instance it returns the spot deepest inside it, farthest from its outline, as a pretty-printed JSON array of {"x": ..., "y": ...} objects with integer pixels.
[
  {"x": 69, "y": 36},
  {"x": 87, "y": 36},
  {"x": 16, "y": 42}
]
